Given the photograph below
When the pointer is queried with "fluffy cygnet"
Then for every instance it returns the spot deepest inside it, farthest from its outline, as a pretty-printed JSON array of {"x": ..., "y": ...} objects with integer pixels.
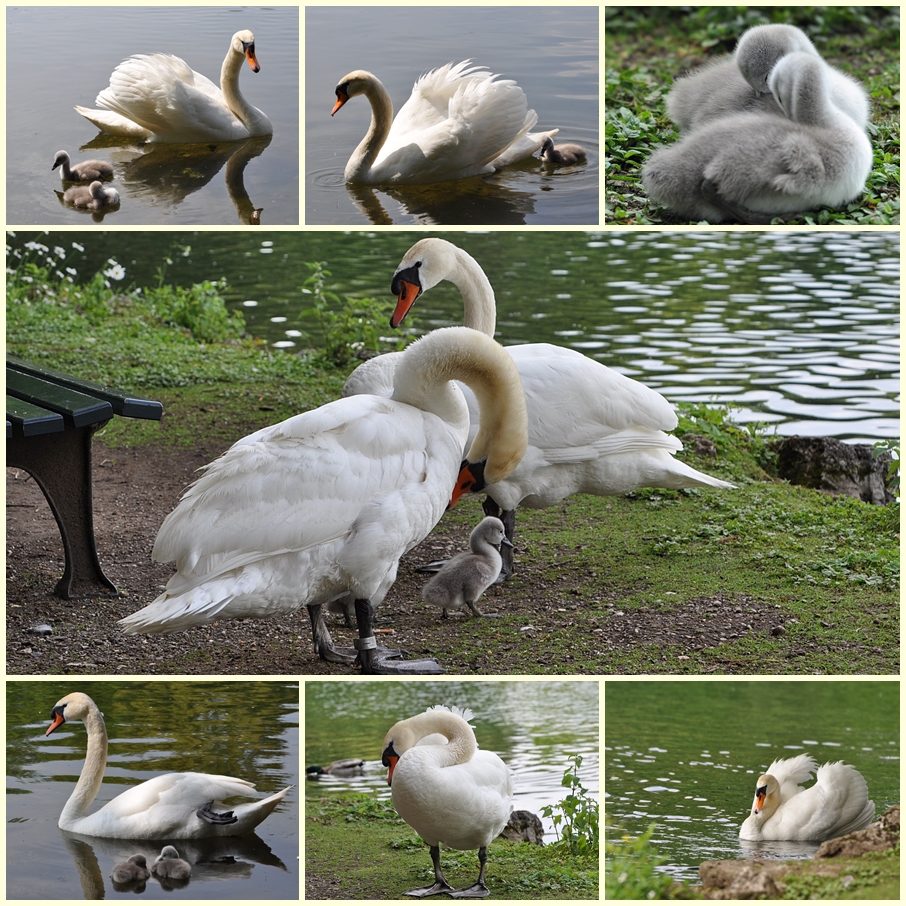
[
  {"x": 751, "y": 167},
  {"x": 561, "y": 154},
  {"x": 169, "y": 865},
  {"x": 135, "y": 868},
  {"x": 92, "y": 197},
  {"x": 463, "y": 579},
  {"x": 86, "y": 170}
]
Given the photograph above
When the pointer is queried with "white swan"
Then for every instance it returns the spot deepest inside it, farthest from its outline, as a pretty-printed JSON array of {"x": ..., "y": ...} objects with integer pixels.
[
  {"x": 463, "y": 579},
  {"x": 591, "y": 429},
  {"x": 327, "y": 502},
  {"x": 179, "y": 806},
  {"x": 447, "y": 789},
  {"x": 158, "y": 98},
  {"x": 132, "y": 871},
  {"x": 837, "y": 804},
  {"x": 459, "y": 121},
  {"x": 751, "y": 167},
  {"x": 169, "y": 865},
  {"x": 562, "y": 154},
  {"x": 93, "y": 197},
  {"x": 81, "y": 172}
]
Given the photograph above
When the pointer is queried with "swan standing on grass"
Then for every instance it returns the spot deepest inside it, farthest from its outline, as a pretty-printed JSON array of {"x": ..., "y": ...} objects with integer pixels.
[
  {"x": 181, "y": 806},
  {"x": 837, "y": 804},
  {"x": 93, "y": 197},
  {"x": 447, "y": 789},
  {"x": 325, "y": 503},
  {"x": 83, "y": 172},
  {"x": 132, "y": 871},
  {"x": 753, "y": 167},
  {"x": 459, "y": 121},
  {"x": 169, "y": 865},
  {"x": 591, "y": 429},
  {"x": 462, "y": 580},
  {"x": 158, "y": 98}
]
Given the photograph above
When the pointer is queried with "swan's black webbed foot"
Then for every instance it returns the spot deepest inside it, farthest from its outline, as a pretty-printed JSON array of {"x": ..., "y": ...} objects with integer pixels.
[
  {"x": 435, "y": 566},
  {"x": 736, "y": 212},
  {"x": 431, "y": 891},
  {"x": 476, "y": 890},
  {"x": 207, "y": 813},
  {"x": 375, "y": 660}
]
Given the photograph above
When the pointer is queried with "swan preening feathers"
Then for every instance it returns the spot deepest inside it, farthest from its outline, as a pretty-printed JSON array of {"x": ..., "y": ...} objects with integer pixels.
[
  {"x": 591, "y": 429},
  {"x": 835, "y": 805},
  {"x": 172, "y": 806},
  {"x": 772, "y": 130},
  {"x": 158, "y": 97},
  {"x": 324, "y": 504},
  {"x": 447, "y": 789},
  {"x": 459, "y": 121}
]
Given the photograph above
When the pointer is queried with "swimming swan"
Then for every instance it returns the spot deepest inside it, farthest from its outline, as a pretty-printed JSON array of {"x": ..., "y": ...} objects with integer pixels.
[
  {"x": 463, "y": 579},
  {"x": 325, "y": 503},
  {"x": 751, "y": 167},
  {"x": 158, "y": 98},
  {"x": 133, "y": 870},
  {"x": 93, "y": 197},
  {"x": 459, "y": 121},
  {"x": 169, "y": 865},
  {"x": 447, "y": 789},
  {"x": 180, "y": 806},
  {"x": 86, "y": 170},
  {"x": 562, "y": 154},
  {"x": 837, "y": 804},
  {"x": 591, "y": 429}
]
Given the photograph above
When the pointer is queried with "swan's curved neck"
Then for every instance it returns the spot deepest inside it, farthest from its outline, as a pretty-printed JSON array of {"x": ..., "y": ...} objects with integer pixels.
[
  {"x": 461, "y": 744},
  {"x": 360, "y": 163},
  {"x": 251, "y": 117},
  {"x": 92, "y": 771},
  {"x": 478, "y": 303}
]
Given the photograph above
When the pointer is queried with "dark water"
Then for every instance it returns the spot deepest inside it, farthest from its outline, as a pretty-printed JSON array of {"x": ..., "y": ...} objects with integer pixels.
[
  {"x": 551, "y": 52},
  {"x": 686, "y": 755},
  {"x": 59, "y": 57}
]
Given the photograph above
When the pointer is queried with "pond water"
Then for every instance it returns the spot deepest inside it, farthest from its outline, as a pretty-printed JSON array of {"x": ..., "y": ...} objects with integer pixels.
[
  {"x": 551, "y": 52},
  {"x": 247, "y": 730},
  {"x": 65, "y": 58},
  {"x": 533, "y": 726},
  {"x": 797, "y": 330},
  {"x": 686, "y": 755}
]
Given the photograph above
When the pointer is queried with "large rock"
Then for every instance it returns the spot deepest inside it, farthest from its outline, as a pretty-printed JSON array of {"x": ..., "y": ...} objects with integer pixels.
[
  {"x": 877, "y": 838},
  {"x": 739, "y": 880},
  {"x": 524, "y": 826},
  {"x": 827, "y": 464}
]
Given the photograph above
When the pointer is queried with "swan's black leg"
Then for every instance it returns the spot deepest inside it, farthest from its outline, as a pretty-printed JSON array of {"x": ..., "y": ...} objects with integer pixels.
[
  {"x": 479, "y": 888},
  {"x": 207, "y": 813},
  {"x": 508, "y": 518},
  {"x": 377, "y": 660},
  {"x": 324, "y": 646},
  {"x": 440, "y": 882}
]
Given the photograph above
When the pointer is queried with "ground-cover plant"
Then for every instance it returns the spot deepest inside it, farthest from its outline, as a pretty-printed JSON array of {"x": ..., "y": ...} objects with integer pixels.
[{"x": 648, "y": 47}]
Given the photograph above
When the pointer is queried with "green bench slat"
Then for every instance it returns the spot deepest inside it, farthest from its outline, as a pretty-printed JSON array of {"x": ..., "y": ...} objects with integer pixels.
[
  {"x": 76, "y": 408},
  {"x": 122, "y": 403},
  {"x": 30, "y": 420}
]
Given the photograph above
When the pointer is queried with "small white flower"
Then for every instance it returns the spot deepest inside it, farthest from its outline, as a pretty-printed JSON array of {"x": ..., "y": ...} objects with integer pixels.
[
  {"x": 59, "y": 252},
  {"x": 117, "y": 272},
  {"x": 80, "y": 248}
]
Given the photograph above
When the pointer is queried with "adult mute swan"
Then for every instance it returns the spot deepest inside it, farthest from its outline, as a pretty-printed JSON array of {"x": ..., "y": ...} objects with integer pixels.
[
  {"x": 459, "y": 121},
  {"x": 837, "y": 804},
  {"x": 82, "y": 172},
  {"x": 463, "y": 579},
  {"x": 752, "y": 167},
  {"x": 447, "y": 789},
  {"x": 179, "y": 806},
  {"x": 158, "y": 98},
  {"x": 591, "y": 429},
  {"x": 325, "y": 503},
  {"x": 93, "y": 197},
  {"x": 169, "y": 865}
]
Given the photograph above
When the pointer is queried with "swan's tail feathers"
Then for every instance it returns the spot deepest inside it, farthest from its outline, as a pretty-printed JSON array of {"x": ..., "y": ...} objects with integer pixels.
[
  {"x": 250, "y": 814},
  {"x": 173, "y": 613},
  {"x": 687, "y": 477},
  {"x": 108, "y": 121}
]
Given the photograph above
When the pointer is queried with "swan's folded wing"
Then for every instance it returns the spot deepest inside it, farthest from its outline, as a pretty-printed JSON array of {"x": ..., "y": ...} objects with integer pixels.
[{"x": 177, "y": 789}]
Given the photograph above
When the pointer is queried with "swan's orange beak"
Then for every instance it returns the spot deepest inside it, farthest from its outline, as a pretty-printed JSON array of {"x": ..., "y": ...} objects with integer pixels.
[
  {"x": 391, "y": 760},
  {"x": 760, "y": 796},
  {"x": 470, "y": 478},
  {"x": 57, "y": 721},
  {"x": 342, "y": 98},
  {"x": 407, "y": 295},
  {"x": 253, "y": 60}
]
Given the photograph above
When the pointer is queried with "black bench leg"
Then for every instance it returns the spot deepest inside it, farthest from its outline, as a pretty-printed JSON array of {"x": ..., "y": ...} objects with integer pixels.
[{"x": 62, "y": 467}]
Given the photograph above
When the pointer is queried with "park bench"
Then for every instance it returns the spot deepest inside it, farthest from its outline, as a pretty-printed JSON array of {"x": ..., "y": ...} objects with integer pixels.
[{"x": 51, "y": 418}]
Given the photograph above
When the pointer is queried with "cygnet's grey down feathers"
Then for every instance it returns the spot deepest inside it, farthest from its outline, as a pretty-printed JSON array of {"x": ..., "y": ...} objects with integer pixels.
[
  {"x": 82, "y": 172},
  {"x": 92, "y": 197},
  {"x": 562, "y": 154},
  {"x": 134, "y": 869},
  {"x": 169, "y": 865}
]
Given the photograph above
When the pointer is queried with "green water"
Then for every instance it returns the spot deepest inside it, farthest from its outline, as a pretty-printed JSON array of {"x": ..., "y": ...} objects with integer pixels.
[{"x": 686, "y": 755}]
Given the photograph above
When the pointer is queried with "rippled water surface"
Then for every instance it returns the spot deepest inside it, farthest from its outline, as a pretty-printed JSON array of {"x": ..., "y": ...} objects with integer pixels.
[
  {"x": 686, "y": 756},
  {"x": 797, "y": 330},
  {"x": 551, "y": 52}
]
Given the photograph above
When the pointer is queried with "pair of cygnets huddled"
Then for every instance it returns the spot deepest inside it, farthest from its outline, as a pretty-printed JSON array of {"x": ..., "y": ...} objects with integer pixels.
[
  {"x": 167, "y": 865},
  {"x": 93, "y": 196},
  {"x": 771, "y": 130}
]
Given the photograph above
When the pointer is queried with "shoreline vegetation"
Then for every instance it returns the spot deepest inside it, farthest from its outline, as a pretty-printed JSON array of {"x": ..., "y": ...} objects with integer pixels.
[{"x": 766, "y": 579}]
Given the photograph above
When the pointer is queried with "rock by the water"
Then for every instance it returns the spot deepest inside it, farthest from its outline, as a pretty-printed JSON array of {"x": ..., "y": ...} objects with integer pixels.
[
  {"x": 738, "y": 881},
  {"x": 827, "y": 464},
  {"x": 524, "y": 826},
  {"x": 876, "y": 838}
]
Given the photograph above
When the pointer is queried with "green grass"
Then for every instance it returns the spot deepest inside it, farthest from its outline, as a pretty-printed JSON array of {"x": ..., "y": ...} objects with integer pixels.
[{"x": 647, "y": 48}]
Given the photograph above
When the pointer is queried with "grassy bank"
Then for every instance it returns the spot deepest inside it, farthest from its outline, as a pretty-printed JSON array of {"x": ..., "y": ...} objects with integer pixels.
[
  {"x": 647, "y": 48},
  {"x": 765, "y": 579}
]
